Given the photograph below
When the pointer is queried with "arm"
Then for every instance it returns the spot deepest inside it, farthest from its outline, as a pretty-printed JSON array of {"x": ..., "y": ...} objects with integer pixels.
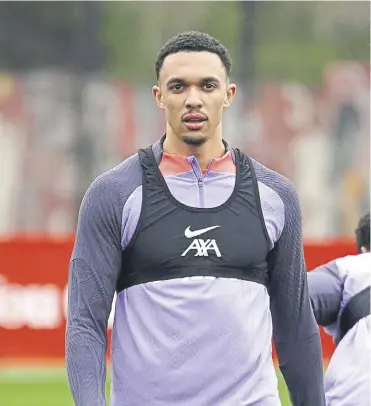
[
  {"x": 94, "y": 268},
  {"x": 295, "y": 331},
  {"x": 325, "y": 291}
]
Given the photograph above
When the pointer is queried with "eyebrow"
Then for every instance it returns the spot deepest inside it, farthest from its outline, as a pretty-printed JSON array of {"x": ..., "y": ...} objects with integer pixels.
[
  {"x": 203, "y": 80},
  {"x": 210, "y": 79},
  {"x": 175, "y": 80}
]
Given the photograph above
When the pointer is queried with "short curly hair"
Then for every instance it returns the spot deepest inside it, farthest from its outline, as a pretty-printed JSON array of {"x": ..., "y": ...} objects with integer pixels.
[
  {"x": 363, "y": 232},
  {"x": 193, "y": 41}
]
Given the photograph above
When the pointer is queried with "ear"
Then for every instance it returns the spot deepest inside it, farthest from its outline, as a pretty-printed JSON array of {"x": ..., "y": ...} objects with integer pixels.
[
  {"x": 231, "y": 91},
  {"x": 158, "y": 96}
]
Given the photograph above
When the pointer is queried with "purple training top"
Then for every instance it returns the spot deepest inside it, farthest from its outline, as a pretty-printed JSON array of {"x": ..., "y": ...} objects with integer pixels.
[{"x": 197, "y": 341}]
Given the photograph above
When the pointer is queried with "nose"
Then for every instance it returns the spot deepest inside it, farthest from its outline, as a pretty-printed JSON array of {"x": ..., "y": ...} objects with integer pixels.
[{"x": 194, "y": 100}]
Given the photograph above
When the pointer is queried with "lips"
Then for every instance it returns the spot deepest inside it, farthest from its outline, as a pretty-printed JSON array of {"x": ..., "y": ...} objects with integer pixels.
[
  {"x": 194, "y": 117},
  {"x": 194, "y": 121}
]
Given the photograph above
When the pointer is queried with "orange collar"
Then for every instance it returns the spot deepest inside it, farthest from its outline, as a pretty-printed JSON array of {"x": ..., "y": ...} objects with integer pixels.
[{"x": 175, "y": 164}]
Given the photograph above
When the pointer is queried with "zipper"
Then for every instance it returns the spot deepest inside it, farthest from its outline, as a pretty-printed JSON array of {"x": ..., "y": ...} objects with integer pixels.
[
  {"x": 200, "y": 181},
  {"x": 201, "y": 192}
]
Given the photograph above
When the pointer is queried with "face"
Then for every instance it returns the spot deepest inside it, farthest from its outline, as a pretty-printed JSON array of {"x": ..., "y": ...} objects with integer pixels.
[{"x": 193, "y": 90}]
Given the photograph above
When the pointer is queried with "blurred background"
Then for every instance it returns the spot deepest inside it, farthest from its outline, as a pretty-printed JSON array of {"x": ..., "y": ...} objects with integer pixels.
[{"x": 75, "y": 100}]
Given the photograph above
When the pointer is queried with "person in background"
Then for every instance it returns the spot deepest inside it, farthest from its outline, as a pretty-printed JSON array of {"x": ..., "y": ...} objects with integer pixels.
[{"x": 340, "y": 296}]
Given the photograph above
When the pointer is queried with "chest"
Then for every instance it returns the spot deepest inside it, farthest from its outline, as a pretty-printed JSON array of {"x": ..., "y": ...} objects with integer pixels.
[{"x": 173, "y": 239}]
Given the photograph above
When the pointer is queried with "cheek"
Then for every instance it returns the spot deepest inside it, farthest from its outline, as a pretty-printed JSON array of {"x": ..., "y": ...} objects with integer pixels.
[
  {"x": 170, "y": 110},
  {"x": 173, "y": 108},
  {"x": 217, "y": 108},
  {"x": 216, "y": 101}
]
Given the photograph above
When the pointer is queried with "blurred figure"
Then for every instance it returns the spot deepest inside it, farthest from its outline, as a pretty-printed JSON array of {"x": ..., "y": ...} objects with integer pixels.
[{"x": 340, "y": 295}]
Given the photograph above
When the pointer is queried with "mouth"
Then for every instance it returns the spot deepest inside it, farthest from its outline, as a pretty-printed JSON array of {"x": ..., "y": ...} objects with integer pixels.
[{"x": 194, "y": 121}]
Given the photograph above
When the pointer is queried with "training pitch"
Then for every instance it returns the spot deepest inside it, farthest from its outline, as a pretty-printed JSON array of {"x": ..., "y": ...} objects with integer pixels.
[{"x": 39, "y": 386}]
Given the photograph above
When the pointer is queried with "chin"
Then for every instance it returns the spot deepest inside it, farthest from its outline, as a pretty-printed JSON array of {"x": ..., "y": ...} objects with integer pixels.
[{"x": 194, "y": 139}]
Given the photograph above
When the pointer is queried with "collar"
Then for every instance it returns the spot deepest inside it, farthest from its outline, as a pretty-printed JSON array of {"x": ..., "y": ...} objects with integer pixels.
[{"x": 175, "y": 164}]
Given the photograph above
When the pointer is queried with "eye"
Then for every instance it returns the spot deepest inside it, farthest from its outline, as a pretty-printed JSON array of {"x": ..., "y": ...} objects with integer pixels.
[
  {"x": 177, "y": 87},
  {"x": 209, "y": 86}
]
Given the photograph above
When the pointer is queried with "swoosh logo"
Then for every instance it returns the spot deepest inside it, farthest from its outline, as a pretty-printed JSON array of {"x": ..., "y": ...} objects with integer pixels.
[{"x": 191, "y": 234}]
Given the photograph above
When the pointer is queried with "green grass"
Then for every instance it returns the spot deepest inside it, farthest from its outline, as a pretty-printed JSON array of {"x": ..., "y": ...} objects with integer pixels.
[{"x": 48, "y": 387}]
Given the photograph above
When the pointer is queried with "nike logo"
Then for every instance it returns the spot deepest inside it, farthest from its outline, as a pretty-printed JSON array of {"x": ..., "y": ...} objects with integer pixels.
[{"x": 190, "y": 234}]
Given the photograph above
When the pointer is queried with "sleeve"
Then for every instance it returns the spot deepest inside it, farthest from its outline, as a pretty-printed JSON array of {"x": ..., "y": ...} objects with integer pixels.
[
  {"x": 325, "y": 291},
  {"x": 94, "y": 269},
  {"x": 295, "y": 331}
]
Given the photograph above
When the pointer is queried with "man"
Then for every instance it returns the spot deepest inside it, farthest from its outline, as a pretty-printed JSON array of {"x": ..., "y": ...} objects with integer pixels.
[
  {"x": 340, "y": 295},
  {"x": 203, "y": 246}
]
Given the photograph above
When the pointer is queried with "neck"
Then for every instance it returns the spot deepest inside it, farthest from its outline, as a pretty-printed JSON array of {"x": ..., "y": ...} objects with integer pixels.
[{"x": 212, "y": 148}]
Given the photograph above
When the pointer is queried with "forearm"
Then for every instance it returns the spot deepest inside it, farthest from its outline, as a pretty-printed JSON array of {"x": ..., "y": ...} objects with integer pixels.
[
  {"x": 86, "y": 335},
  {"x": 86, "y": 367},
  {"x": 303, "y": 369}
]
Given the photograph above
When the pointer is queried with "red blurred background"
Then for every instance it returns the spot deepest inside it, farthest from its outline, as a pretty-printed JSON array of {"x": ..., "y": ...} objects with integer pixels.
[{"x": 33, "y": 291}]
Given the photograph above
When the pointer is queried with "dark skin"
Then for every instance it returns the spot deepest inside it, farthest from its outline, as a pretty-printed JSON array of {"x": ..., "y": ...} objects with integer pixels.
[{"x": 194, "y": 82}]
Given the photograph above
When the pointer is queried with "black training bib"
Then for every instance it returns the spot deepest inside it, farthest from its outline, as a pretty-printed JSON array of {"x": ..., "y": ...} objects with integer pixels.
[
  {"x": 173, "y": 240},
  {"x": 356, "y": 309}
]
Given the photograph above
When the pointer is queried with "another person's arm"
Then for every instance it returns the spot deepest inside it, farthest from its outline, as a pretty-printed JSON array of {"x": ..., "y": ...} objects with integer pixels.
[
  {"x": 295, "y": 331},
  {"x": 325, "y": 290},
  {"x": 94, "y": 268}
]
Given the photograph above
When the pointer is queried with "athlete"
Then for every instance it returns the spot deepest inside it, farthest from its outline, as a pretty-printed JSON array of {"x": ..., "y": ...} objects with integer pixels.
[
  {"x": 203, "y": 246},
  {"x": 340, "y": 295}
]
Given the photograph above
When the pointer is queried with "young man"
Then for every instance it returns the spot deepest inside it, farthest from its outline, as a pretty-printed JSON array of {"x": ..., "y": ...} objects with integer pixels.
[
  {"x": 203, "y": 246},
  {"x": 340, "y": 295}
]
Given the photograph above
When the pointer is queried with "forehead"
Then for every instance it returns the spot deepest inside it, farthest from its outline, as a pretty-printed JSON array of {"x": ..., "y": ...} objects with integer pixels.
[{"x": 192, "y": 66}]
